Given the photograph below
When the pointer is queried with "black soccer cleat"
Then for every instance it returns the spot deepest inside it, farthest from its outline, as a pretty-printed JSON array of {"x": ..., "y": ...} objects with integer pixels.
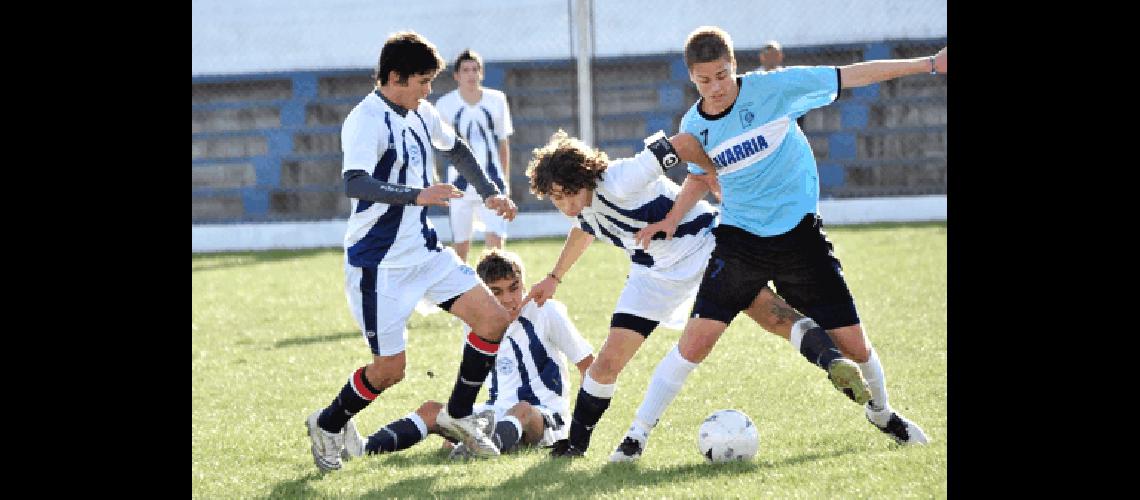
[
  {"x": 563, "y": 448},
  {"x": 896, "y": 426},
  {"x": 629, "y": 450}
]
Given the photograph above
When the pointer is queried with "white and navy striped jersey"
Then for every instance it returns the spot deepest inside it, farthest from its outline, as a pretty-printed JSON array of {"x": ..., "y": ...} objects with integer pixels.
[
  {"x": 482, "y": 125},
  {"x": 531, "y": 363},
  {"x": 632, "y": 194},
  {"x": 395, "y": 149}
]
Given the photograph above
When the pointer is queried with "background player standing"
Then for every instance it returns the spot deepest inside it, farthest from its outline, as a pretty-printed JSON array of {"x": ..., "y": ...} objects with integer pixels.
[{"x": 481, "y": 117}]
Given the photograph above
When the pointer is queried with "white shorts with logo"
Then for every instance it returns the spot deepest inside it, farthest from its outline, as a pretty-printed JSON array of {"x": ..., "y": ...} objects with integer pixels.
[
  {"x": 382, "y": 299},
  {"x": 665, "y": 295},
  {"x": 462, "y": 213},
  {"x": 549, "y": 436}
]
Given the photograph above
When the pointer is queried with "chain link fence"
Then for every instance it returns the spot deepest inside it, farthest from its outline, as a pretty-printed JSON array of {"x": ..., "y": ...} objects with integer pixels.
[{"x": 266, "y": 145}]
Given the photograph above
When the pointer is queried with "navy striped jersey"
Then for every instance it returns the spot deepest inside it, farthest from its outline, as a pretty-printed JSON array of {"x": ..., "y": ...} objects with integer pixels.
[
  {"x": 530, "y": 365},
  {"x": 632, "y": 194},
  {"x": 482, "y": 125},
  {"x": 395, "y": 149}
]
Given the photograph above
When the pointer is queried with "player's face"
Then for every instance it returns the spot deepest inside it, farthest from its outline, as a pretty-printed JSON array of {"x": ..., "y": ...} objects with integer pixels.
[
  {"x": 409, "y": 93},
  {"x": 509, "y": 292},
  {"x": 570, "y": 204},
  {"x": 716, "y": 82},
  {"x": 470, "y": 74}
]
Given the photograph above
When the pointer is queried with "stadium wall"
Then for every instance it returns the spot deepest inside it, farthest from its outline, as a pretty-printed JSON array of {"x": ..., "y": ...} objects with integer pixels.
[{"x": 330, "y": 234}]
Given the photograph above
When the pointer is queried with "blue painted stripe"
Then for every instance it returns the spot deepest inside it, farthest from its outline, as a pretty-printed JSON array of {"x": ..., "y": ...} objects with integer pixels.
[
  {"x": 616, "y": 241},
  {"x": 422, "y": 122},
  {"x": 460, "y": 181},
  {"x": 694, "y": 226},
  {"x": 651, "y": 212},
  {"x": 548, "y": 370},
  {"x": 431, "y": 242},
  {"x": 525, "y": 393},
  {"x": 368, "y": 305},
  {"x": 585, "y": 226},
  {"x": 642, "y": 257},
  {"x": 490, "y": 122},
  {"x": 492, "y": 171}
]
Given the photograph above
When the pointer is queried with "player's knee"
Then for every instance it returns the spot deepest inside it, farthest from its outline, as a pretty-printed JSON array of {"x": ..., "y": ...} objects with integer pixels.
[
  {"x": 428, "y": 412},
  {"x": 521, "y": 410},
  {"x": 498, "y": 322},
  {"x": 605, "y": 369}
]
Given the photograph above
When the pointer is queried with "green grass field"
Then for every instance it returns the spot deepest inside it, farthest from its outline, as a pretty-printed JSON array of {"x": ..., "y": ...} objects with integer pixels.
[{"x": 272, "y": 340}]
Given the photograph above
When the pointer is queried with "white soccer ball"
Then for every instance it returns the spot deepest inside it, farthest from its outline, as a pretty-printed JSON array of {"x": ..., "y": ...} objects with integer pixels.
[{"x": 728, "y": 435}]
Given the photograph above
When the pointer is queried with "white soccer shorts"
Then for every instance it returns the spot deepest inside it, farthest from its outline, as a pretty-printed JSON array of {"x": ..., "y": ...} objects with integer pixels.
[
  {"x": 549, "y": 436},
  {"x": 382, "y": 315},
  {"x": 462, "y": 214},
  {"x": 665, "y": 295}
]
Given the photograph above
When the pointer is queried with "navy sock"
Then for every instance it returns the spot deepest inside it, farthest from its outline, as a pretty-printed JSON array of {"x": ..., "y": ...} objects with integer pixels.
[
  {"x": 506, "y": 436},
  {"x": 818, "y": 347},
  {"x": 587, "y": 411},
  {"x": 396, "y": 436},
  {"x": 478, "y": 358},
  {"x": 353, "y": 397}
]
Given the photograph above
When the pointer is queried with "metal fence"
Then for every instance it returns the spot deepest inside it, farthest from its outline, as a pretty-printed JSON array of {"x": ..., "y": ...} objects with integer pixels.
[{"x": 266, "y": 146}]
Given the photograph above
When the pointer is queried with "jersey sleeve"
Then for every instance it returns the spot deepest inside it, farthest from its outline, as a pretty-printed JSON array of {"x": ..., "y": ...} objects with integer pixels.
[
  {"x": 564, "y": 335},
  {"x": 627, "y": 176},
  {"x": 362, "y": 138},
  {"x": 442, "y": 135},
  {"x": 802, "y": 88},
  {"x": 505, "y": 123}
]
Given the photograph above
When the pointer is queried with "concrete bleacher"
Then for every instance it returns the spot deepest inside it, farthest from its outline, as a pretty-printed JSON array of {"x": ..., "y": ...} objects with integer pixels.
[{"x": 266, "y": 147}]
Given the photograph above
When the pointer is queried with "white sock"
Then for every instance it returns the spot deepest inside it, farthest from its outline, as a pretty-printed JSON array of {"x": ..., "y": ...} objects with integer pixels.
[
  {"x": 667, "y": 381},
  {"x": 876, "y": 380},
  {"x": 596, "y": 389},
  {"x": 420, "y": 424},
  {"x": 799, "y": 329}
]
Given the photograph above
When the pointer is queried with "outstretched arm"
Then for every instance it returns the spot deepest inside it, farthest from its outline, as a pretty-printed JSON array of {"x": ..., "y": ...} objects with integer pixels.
[
  {"x": 866, "y": 73},
  {"x": 692, "y": 190},
  {"x": 464, "y": 162},
  {"x": 576, "y": 244}
]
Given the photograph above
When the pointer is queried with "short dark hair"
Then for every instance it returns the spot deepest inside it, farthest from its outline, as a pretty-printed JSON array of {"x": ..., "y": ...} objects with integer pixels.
[
  {"x": 567, "y": 161},
  {"x": 496, "y": 264},
  {"x": 467, "y": 55},
  {"x": 407, "y": 53},
  {"x": 708, "y": 43}
]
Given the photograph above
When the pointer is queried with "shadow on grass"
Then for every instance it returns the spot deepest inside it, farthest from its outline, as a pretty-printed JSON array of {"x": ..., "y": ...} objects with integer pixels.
[
  {"x": 548, "y": 477},
  {"x": 297, "y": 488},
  {"x": 332, "y": 337},
  {"x": 224, "y": 260}
]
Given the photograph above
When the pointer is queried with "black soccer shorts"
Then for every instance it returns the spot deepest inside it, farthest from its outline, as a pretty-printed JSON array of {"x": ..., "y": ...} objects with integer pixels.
[{"x": 801, "y": 263}]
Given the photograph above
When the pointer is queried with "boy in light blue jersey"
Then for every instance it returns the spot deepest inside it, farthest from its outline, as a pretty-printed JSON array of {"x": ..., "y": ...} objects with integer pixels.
[{"x": 770, "y": 229}]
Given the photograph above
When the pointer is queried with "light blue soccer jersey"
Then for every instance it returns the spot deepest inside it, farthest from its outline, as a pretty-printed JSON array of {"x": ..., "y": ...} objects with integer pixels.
[{"x": 766, "y": 167}]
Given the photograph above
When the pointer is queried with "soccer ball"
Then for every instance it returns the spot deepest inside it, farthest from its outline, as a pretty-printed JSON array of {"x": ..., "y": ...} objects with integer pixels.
[{"x": 728, "y": 435}]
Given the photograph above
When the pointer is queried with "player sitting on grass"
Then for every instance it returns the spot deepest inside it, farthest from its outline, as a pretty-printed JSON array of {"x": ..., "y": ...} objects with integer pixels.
[{"x": 529, "y": 384}]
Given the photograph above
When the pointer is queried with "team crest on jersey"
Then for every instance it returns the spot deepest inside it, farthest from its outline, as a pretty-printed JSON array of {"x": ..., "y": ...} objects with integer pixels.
[
  {"x": 504, "y": 364},
  {"x": 413, "y": 155},
  {"x": 746, "y": 117}
]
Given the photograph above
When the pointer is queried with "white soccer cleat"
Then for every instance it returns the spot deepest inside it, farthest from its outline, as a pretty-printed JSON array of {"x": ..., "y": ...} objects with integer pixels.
[
  {"x": 903, "y": 431},
  {"x": 846, "y": 376},
  {"x": 353, "y": 442},
  {"x": 470, "y": 430},
  {"x": 326, "y": 445}
]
